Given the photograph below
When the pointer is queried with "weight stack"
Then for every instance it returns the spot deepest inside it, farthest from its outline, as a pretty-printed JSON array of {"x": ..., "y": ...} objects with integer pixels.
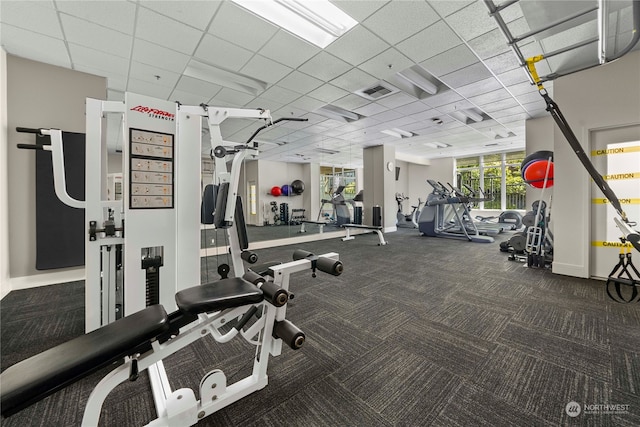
[{"x": 284, "y": 213}]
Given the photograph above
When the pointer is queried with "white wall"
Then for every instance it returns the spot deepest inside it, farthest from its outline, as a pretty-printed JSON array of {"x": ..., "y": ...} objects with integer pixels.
[
  {"x": 38, "y": 95},
  {"x": 5, "y": 285},
  {"x": 538, "y": 137},
  {"x": 603, "y": 97}
]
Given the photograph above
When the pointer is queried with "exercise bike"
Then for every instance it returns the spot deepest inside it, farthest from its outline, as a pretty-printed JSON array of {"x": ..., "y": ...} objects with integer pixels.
[{"x": 409, "y": 220}]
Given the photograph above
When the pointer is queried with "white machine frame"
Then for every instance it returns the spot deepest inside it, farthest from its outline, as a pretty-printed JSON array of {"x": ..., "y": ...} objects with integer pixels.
[
  {"x": 180, "y": 407},
  {"x": 107, "y": 219}
]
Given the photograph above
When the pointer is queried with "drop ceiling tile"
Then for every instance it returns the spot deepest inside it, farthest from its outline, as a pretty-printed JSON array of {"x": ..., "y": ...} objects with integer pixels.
[
  {"x": 353, "y": 80},
  {"x": 109, "y": 64},
  {"x": 527, "y": 98},
  {"x": 288, "y": 49},
  {"x": 241, "y": 27},
  {"x": 267, "y": 104},
  {"x": 490, "y": 97},
  {"x": 410, "y": 108},
  {"x": 447, "y": 7},
  {"x": 426, "y": 115},
  {"x": 466, "y": 75},
  {"x": 483, "y": 86},
  {"x": 371, "y": 109},
  {"x": 359, "y": 10},
  {"x": 307, "y": 103},
  {"x": 114, "y": 82},
  {"x": 197, "y": 87},
  {"x": 94, "y": 36},
  {"x": 300, "y": 82},
  {"x": 119, "y": 16},
  {"x": 166, "y": 32},
  {"x": 500, "y": 105},
  {"x": 535, "y": 105},
  {"x": 220, "y": 52},
  {"x": 265, "y": 69},
  {"x": 513, "y": 77},
  {"x": 474, "y": 20},
  {"x": 114, "y": 95},
  {"x": 328, "y": 93},
  {"x": 507, "y": 112},
  {"x": 231, "y": 96},
  {"x": 502, "y": 63},
  {"x": 161, "y": 57},
  {"x": 449, "y": 61},
  {"x": 387, "y": 116},
  {"x": 149, "y": 89},
  {"x": 458, "y": 105},
  {"x": 489, "y": 44},
  {"x": 357, "y": 46},
  {"x": 148, "y": 74},
  {"x": 325, "y": 66},
  {"x": 386, "y": 64},
  {"x": 280, "y": 94},
  {"x": 429, "y": 42},
  {"x": 443, "y": 97},
  {"x": 194, "y": 13},
  {"x": 187, "y": 98},
  {"x": 522, "y": 88},
  {"x": 397, "y": 100},
  {"x": 396, "y": 21},
  {"x": 34, "y": 46},
  {"x": 350, "y": 102},
  {"x": 30, "y": 15}
]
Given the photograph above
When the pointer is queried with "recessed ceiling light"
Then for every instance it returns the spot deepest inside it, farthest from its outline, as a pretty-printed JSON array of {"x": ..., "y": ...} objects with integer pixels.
[
  {"x": 319, "y": 21},
  {"x": 436, "y": 144},
  {"x": 398, "y": 133}
]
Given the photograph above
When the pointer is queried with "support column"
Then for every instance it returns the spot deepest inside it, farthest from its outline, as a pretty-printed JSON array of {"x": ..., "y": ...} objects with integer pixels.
[{"x": 379, "y": 185}]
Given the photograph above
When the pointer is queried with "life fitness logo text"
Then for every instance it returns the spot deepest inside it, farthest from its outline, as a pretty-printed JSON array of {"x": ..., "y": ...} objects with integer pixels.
[{"x": 155, "y": 113}]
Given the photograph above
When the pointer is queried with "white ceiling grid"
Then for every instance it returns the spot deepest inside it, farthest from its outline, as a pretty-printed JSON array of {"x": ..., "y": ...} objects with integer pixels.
[{"x": 146, "y": 46}]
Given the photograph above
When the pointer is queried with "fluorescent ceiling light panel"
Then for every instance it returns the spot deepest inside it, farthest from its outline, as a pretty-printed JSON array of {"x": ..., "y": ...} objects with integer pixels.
[
  {"x": 472, "y": 115},
  {"x": 437, "y": 144},
  {"x": 415, "y": 78},
  {"x": 398, "y": 133},
  {"x": 317, "y": 21},
  {"x": 209, "y": 73},
  {"x": 337, "y": 113},
  {"x": 503, "y": 133}
]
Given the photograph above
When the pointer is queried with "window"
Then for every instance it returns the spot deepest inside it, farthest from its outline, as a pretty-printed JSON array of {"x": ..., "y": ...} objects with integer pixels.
[{"x": 494, "y": 178}]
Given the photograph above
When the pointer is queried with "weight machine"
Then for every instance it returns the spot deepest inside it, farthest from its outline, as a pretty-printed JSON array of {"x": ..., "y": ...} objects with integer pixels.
[{"x": 160, "y": 212}]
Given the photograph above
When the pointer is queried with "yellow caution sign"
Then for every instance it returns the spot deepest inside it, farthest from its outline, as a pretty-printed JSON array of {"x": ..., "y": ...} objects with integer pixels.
[
  {"x": 610, "y": 244},
  {"x": 621, "y": 150},
  {"x": 622, "y": 201},
  {"x": 627, "y": 175}
]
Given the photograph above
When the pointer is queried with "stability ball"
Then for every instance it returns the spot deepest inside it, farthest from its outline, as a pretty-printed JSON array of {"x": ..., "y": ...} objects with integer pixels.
[
  {"x": 286, "y": 190},
  {"x": 297, "y": 187},
  {"x": 276, "y": 191},
  {"x": 535, "y": 172},
  {"x": 534, "y": 167}
]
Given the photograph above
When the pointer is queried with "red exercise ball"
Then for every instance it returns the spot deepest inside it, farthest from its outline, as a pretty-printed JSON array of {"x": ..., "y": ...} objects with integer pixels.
[
  {"x": 276, "y": 191},
  {"x": 535, "y": 172}
]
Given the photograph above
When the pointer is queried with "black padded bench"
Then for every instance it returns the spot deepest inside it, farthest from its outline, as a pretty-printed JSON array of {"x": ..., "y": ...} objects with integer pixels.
[
  {"x": 39, "y": 376},
  {"x": 375, "y": 228}
]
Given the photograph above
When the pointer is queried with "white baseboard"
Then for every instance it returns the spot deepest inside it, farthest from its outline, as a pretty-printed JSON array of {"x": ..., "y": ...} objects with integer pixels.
[
  {"x": 46, "y": 279},
  {"x": 570, "y": 270}
]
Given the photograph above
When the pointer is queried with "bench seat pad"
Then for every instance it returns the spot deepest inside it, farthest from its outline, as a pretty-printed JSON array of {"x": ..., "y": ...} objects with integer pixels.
[
  {"x": 219, "y": 295},
  {"x": 43, "y": 374}
]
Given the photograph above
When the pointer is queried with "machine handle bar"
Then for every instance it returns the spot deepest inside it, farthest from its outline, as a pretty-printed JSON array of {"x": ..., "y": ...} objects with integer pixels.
[{"x": 260, "y": 129}]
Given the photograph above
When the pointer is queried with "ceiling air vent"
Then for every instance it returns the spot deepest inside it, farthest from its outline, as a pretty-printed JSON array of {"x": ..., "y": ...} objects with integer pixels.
[{"x": 378, "y": 91}]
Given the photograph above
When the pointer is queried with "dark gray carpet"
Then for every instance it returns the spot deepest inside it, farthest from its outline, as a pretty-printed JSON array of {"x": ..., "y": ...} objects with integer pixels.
[{"x": 420, "y": 332}]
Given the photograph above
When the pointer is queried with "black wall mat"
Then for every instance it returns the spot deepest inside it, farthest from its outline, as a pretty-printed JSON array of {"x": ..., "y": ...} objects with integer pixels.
[{"x": 60, "y": 229}]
